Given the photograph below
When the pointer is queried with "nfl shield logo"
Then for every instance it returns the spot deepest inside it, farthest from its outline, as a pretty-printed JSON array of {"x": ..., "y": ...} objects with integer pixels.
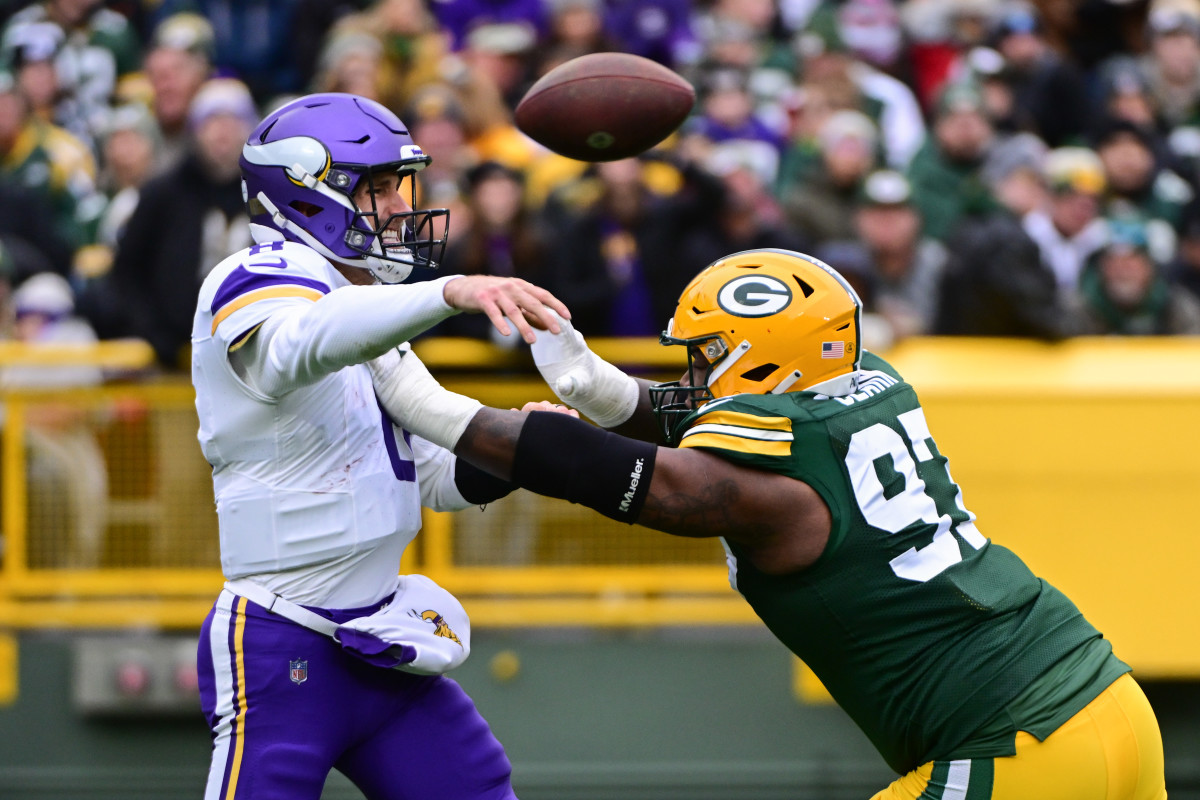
[{"x": 298, "y": 670}]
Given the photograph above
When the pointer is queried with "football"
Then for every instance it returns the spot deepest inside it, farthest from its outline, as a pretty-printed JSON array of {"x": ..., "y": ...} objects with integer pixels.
[{"x": 605, "y": 106}]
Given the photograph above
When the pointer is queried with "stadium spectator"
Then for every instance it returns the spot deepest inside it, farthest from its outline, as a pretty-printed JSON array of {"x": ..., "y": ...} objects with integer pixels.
[
  {"x": 576, "y": 28},
  {"x": 100, "y": 50},
  {"x": 459, "y": 18},
  {"x": 748, "y": 215},
  {"x": 735, "y": 34},
  {"x": 313, "y": 22},
  {"x": 504, "y": 53},
  {"x": 251, "y": 41},
  {"x": 946, "y": 173},
  {"x": 186, "y": 219},
  {"x": 618, "y": 244},
  {"x": 436, "y": 118},
  {"x": 1172, "y": 65},
  {"x": 27, "y": 228},
  {"x": 821, "y": 59},
  {"x": 660, "y": 30},
  {"x": 996, "y": 283},
  {"x": 487, "y": 117},
  {"x": 50, "y": 161},
  {"x": 177, "y": 63},
  {"x": 496, "y": 235},
  {"x": 987, "y": 69},
  {"x": 31, "y": 51},
  {"x": 942, "y": 33},
  {"x": 820, "y": 191},
  {"x": 1125, "y": 95},
  {"x": 1069, "y": 229},
  {"x": 1126, "y": 292},
  {"x": 1050, "y": 98},
  {"x": 727, "y": 111},
  {"x": 1138, "y": 184},
  {"x": 352, "y": 62},
  {"x": 67, "y": 473},
  {"x": 905, "y": 269},
  {"x": 873, "y": 33},
  {"x": 129, "y": 148},
  {"x": 1013, "y": 173}
]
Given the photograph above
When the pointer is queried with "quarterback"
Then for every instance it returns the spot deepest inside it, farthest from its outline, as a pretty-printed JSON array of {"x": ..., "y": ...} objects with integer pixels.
[
  {"x": 844, "y": 530},
  {"x": 317, "y": 655}
]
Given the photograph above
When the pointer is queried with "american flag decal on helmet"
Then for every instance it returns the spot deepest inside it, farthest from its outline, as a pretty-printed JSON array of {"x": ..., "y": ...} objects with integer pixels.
[{"x": 833, "y": 349}]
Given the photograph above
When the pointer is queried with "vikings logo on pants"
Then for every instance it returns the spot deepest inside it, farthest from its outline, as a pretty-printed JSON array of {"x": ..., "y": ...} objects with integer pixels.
[{"x": 440, "y": 626}]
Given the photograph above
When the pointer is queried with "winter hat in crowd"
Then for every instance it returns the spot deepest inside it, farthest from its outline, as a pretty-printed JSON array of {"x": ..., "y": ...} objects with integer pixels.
[{"x": 223, "y": 96}]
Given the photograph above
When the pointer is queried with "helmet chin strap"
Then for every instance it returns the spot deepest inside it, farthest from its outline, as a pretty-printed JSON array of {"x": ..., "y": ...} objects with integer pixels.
[{"x": 385, "y": 271}]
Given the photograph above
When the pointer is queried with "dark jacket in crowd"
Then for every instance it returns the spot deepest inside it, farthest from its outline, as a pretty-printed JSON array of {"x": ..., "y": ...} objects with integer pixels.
[
  {"x": 162, "y": 256},
  {"x": 581, "y": 268},
  {"x": 996, "y": 284},
  {"x": 27, "y": 229}
]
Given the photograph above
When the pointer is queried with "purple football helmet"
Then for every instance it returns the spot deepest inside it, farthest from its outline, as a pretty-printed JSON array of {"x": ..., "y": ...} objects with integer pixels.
[{"x": 300, "y": 168}]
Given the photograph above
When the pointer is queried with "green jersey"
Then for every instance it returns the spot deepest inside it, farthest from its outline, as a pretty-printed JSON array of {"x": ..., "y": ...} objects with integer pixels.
[{"x": 920, "y": 628}]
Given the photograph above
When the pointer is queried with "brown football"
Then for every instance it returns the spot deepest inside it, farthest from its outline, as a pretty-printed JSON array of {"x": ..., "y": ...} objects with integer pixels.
[{"x": 605, "y": 106}]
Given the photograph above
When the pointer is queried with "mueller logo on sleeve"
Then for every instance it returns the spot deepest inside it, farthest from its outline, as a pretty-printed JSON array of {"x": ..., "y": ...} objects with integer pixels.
[{"x": 635, "y": 477}]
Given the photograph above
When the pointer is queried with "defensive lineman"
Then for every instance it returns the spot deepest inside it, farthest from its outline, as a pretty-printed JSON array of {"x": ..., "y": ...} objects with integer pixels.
[{"x": 814, "y": 463}]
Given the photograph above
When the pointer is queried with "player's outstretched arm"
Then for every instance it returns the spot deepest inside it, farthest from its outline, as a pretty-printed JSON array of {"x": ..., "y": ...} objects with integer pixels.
[
  {"x": 300, "y": 345},
  {"x": 782, "y": 522}
]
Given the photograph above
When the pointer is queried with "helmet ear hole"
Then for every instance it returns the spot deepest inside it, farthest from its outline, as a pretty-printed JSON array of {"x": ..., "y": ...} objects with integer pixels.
[
  {"x": 307, "y": 209},
  {"x": 760, "y": 373}
]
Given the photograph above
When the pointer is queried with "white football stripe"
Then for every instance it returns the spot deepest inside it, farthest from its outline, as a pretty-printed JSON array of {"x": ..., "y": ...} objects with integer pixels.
[
  {"x": 223, "y": 669},
  {"x": 744, "y": 433}
]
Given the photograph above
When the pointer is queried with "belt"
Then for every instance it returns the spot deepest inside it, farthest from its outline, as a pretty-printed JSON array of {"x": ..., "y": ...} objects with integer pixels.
[{"x": 284, "y": 608}]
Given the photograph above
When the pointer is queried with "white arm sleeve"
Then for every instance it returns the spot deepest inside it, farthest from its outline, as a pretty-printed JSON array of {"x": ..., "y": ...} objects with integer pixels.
[
  {"x": 415, "y": 401},
  {"x": 350, "y": 325},
  {"x": 435, "y": 476}
]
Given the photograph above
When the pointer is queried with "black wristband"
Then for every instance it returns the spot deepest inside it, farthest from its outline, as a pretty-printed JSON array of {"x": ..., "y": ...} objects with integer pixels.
[
  {"x": 478, "y": 487},
  {"x": 560, "y": 456}
]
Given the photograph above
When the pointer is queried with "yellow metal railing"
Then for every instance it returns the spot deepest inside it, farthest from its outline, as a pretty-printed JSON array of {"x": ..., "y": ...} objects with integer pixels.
[{"x": 1079, "y": 456}]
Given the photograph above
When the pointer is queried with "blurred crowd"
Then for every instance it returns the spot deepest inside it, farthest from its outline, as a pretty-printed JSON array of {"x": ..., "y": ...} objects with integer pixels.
[{"x": 974, "y": 167}]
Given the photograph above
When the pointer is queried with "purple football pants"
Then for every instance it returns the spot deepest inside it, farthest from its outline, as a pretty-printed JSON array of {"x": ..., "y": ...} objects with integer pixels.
[{"x": 286, "y": 705}]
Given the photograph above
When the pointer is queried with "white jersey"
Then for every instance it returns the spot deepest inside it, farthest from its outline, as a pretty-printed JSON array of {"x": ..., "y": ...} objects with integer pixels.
[{"x": 310, "y": 476}]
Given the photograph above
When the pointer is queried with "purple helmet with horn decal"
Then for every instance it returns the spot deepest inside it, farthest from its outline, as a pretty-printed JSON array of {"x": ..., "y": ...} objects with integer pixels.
[{"x": 300, "y": 169}]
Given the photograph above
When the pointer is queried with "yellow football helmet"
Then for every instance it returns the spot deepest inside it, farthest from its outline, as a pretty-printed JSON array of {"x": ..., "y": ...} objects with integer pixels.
[{"x": 757, "y": 322}]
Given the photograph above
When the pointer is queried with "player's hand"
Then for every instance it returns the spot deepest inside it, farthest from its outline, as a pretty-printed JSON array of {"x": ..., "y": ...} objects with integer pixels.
[
  {"x": 582, "y": 379},
  {"x": 546, "y": 405},
  {"x": 507, "y": 301}
]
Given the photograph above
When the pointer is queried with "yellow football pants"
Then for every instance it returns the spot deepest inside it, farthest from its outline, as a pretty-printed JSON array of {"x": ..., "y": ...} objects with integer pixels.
[{"x": 1111, "y": 750}]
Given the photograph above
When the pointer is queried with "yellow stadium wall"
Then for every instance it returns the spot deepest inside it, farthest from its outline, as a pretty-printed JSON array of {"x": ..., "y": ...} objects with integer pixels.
[{"x": 1079, "y": 456}]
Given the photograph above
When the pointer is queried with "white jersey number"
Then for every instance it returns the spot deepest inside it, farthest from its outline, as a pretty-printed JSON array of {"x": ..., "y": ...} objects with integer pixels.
[{"x": 912, "y": 503}]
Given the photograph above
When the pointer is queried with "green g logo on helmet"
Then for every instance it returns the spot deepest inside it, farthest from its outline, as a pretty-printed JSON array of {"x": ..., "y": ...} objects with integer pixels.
[{"x": 754, "y": 296}]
